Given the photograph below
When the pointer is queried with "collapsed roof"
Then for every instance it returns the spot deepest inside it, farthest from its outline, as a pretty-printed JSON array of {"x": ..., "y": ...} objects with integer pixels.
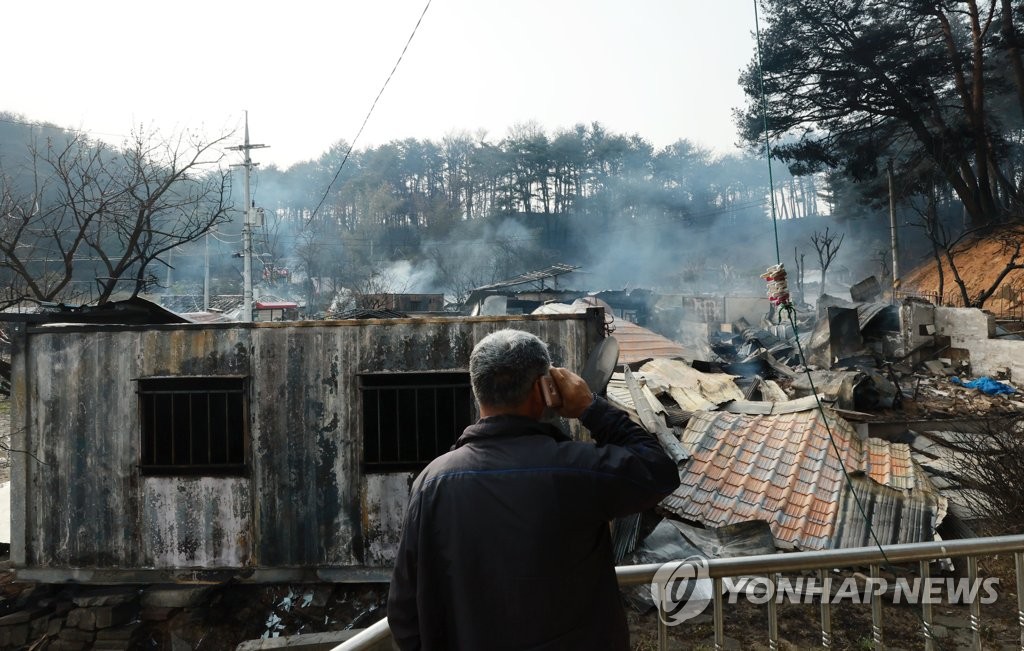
[
  {"x": 636, "y": 344},
  {"x": 757, "y": 413},
  {"x": 779, "y": 464},
  {"x": 785, "y": 469}
]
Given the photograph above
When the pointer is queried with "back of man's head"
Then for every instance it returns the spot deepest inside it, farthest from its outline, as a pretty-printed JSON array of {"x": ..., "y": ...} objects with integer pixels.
[{"x": 504, "y": 365}]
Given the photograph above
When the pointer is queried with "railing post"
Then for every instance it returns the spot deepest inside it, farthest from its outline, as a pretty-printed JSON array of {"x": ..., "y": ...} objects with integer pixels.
[
  {"x": 972, "y": 578},
  {"x": 876, "y": 611},
  {"x": 1019, "y": 562},
  {"x": 926, "y": 608},
  {"x": 662, "y": 626},
  {"x": 660, "y": 601},
  {"x": 716, "y": 589},
  {"x": 826, "y": 608},
  {"x": 773, "y": 615}
]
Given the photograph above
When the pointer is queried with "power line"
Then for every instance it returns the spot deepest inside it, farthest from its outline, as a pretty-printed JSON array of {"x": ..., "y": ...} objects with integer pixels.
[
  {"x": 226, "y": 241},
  {"x": 370, "y": 112},
  {"x": 26, "y": 124},
  {"x": 50, "y": 125},
  {"x": 788, "y": 309}
]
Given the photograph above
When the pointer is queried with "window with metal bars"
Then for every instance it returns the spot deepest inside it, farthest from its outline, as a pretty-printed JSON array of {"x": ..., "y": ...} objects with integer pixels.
[
  {"x": 410, "y": 418},
  {"x": 193, "y": 425}
]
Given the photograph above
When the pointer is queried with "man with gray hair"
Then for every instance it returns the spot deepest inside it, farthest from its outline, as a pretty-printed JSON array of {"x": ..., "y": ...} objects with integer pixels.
[{"x": 506, "y": 542}]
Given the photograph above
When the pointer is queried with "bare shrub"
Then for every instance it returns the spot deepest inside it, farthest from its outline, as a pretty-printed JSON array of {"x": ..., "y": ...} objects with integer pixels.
[{"x": 989, "y": 466}]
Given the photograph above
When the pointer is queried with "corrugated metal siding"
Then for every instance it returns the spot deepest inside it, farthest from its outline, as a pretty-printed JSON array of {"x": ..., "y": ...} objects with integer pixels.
[
  {"x": 896, "y": 517},
  {"x": 196, "y": 520},
  {"x": 636, "y": 343},
  {"x": 383, "y": 507},
  {"x": 304, "y": 502}
]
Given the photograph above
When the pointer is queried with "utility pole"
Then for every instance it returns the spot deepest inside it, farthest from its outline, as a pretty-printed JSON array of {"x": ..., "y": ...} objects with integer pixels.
[
  {"x": 206, "y": 275},
  {"x": 247, "y": 227},
  {"x": 892, "y": 231},
  {"x": 170, "y": 259}
]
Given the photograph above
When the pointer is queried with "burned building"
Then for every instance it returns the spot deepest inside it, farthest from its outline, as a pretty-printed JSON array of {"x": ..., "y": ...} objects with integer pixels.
[
  {"x": 408, "y": 303},
  {"x": 263, "y": 451}
]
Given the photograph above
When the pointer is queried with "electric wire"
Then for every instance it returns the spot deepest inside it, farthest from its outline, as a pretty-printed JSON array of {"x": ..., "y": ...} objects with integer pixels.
[
  {"x": 50, "y": 125},
  {"x": 887, "y": 564},
  {"x": 226, "y": 241},
  {"x": 767, "y": 141},
  {"x": 789, "y": 310},
  {"x": 370, "y": 112}
]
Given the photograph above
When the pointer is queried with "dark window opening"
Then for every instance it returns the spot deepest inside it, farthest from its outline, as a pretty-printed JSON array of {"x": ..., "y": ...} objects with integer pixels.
[
  {"x": 411, "y": 418},
  {"x": 193, "y": 425}
]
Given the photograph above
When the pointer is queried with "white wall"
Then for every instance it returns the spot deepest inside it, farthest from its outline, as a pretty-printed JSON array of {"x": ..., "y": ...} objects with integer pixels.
[{"x": 969, "y": 329}]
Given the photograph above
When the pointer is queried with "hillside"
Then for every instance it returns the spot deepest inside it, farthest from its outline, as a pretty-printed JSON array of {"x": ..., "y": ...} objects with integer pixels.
[{"x": 979, "y": 263}]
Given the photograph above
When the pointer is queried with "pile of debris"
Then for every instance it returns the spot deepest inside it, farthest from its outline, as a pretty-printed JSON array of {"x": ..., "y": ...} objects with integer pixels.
[
  {"x": 787, "y": 433},
  {"x": 781, "y": 462}
]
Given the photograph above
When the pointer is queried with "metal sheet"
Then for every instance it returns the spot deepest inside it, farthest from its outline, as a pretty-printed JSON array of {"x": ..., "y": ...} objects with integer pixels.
[
  {"x": 654, "y": 422},
  {"x": 695, "y": 390},
  {"x": 636, "y": 344},
  {"x": 203, "y": 522},
  {"x": 895, "y": 517},
  {"x": 766, "y": 407},
  {"x": 537, "y": 277},
  {"x": 868, "y": 312},
  {"x": 741, "y": 539}
]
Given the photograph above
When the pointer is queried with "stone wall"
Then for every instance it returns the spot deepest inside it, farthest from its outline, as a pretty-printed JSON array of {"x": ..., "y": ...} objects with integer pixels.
[{"x": 74, "y": 617}]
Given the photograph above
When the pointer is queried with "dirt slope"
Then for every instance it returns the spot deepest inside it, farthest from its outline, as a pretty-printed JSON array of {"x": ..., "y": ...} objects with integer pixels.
[{"x": 979, "y": 264}]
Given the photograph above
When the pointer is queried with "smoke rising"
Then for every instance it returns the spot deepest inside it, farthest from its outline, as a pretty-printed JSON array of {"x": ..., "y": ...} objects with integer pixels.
[{"x": 424, "y": 217}]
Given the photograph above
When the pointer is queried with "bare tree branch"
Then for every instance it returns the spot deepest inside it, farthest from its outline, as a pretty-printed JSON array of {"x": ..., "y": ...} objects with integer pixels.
[
  {"x": 103, "y": 215},
  {"x": 827, "y": 247}
]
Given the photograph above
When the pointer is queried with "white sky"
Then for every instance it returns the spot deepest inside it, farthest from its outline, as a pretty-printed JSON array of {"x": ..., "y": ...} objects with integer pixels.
[{"x": 308, "y": 70}]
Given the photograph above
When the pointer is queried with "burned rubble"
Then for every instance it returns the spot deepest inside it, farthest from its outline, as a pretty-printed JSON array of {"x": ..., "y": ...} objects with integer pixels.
[
  {"x": 794, "y": 426},
  {"x": 782, "y": 429}
]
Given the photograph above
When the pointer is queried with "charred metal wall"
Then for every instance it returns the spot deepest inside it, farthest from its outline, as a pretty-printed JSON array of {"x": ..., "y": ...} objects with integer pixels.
[{"x": 80, "y": 501}]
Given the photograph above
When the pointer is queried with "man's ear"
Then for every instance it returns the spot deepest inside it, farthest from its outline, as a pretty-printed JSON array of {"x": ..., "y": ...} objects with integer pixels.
[{"x": 535, "y": 402}]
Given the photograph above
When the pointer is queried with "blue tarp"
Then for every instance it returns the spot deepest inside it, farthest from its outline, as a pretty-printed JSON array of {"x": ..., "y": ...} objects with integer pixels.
[{"x": 986, "y": 385}]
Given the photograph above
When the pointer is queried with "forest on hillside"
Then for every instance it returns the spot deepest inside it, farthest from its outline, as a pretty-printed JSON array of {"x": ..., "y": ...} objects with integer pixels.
[
  {"x": 410, "y": 215},
  {"x": 862, "y": 105}
]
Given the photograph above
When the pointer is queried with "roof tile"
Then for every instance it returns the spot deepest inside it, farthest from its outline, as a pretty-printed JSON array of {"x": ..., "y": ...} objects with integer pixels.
[{"x": 783, "y": 469}]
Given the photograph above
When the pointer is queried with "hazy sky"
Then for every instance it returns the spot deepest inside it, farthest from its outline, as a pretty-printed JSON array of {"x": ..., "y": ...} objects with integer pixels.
[{"x": 308, "y": 70}]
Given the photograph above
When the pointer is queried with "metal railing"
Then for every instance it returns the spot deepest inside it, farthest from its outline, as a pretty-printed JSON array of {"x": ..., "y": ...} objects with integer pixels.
[
  {"x": 1011, "y": 309},
  {"x": 772, "y": 565}
]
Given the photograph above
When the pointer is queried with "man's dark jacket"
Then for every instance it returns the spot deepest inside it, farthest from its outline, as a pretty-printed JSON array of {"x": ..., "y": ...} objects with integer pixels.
[{"x": 506, "y": 542}]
